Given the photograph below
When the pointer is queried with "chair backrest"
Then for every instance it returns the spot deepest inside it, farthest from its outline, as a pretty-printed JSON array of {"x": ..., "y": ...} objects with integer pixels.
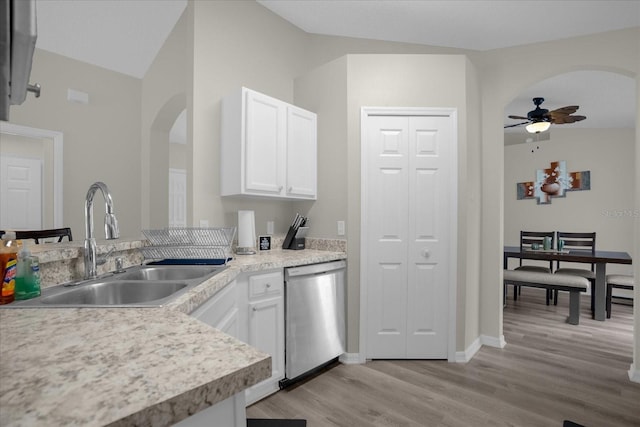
[
  {"x": 578, "y": 241},
  {"x": 60, "y": 233},
  {"x": 527, "y": 238}
]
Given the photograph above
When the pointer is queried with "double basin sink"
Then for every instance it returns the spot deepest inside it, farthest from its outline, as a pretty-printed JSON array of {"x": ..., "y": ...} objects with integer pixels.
[{"x": 140, "y": 286}]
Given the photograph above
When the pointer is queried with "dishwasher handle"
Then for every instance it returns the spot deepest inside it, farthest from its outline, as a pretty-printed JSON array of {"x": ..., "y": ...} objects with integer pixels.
[{"x": 312, "y": 269}]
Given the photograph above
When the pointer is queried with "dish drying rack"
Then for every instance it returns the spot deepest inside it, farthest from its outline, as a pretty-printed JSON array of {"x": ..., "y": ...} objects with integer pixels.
[{"x": 189, "y": 243}]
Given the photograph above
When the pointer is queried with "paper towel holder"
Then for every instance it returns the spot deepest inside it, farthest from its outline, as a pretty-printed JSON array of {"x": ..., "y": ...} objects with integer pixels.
[{"x": 246, "y": 233}]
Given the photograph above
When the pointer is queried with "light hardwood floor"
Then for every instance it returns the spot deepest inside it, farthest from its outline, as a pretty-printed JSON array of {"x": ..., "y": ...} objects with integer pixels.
[{"x": 549, "y": 371}]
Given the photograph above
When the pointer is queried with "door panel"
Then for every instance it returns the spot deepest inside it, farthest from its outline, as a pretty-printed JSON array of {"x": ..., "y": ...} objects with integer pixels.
[
  {"x": 430, "y": 139},
  {"x": 387, "y": 328},
  {"x": 177, "y": 197},
  {"x": 20, "y": 193}
]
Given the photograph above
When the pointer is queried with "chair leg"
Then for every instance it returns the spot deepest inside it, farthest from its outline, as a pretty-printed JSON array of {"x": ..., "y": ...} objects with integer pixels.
[
  {"x": 515, "y": 292},
  {"x": 548, "y": 296},
  {"x": 608, "y": 304},
  {"x": 555, "y": 297}
]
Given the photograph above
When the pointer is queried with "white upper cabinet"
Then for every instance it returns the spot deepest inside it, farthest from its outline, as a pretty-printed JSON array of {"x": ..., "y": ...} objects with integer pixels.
[{"x": 268, "y": 147}]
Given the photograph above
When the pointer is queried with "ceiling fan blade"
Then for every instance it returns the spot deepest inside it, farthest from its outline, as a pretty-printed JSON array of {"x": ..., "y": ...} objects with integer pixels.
[
  {"x": 559, "y": 120},
  {"x": 518, "y": 124},
  {"x": 570, "y": 109},
  {"x": 518, "y": 117}
]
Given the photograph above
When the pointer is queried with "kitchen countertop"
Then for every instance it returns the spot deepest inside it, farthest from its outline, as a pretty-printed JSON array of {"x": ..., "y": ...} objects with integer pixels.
[{"x": 129, "y": 366}]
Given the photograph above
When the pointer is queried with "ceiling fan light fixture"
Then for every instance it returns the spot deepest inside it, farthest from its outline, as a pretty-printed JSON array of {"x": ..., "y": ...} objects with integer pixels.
[{"x": 537, "y": 127}]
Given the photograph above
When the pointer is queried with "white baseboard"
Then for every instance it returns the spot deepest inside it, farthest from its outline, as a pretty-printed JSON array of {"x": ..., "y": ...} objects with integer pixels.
[
  {"x": 351, "y": 359},
  {"x": 460, "y": 356},
  {"x": 497, "y": 342},
  {"x": 469, "y": 352},
  {"x": 634, "y": 374}
]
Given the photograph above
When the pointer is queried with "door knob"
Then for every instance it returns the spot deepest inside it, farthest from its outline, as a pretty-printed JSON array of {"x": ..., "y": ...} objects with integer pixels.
[{"x": 425, "y": 253}]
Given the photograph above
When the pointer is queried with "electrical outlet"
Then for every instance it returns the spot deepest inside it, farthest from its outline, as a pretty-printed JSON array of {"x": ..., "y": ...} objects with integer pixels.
[
  {"x": 341, "y": 231},
  {"x": 204, "y": 223},
  {"x": 269, "y": 227}
]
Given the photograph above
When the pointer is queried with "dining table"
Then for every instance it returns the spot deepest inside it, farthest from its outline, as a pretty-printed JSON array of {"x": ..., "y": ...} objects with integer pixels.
[{"x": 599, "y": 258}]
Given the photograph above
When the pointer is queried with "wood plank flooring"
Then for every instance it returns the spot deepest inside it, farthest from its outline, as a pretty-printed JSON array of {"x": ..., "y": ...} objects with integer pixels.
[{"x": 549, "y": 371}]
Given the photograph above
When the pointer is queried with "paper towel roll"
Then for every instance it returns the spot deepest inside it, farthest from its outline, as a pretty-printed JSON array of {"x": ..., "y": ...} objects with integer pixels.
[{"x": 246, "y": 231}]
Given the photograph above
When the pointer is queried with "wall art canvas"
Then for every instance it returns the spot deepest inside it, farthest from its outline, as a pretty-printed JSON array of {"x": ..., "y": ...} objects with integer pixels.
[{"x": 554, "y": 181}]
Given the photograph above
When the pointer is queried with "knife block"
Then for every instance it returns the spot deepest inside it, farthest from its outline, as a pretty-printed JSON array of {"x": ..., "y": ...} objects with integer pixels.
[{"x": 295, "y": 238}]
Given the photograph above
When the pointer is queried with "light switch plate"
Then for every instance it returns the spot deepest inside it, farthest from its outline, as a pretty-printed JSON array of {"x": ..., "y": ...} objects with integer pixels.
[
  {"x": 269, "y": 227},
  {"x": 341, "y": 231}
]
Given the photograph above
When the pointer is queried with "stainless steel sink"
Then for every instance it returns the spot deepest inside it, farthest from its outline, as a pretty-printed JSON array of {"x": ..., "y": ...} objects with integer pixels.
[
  {"x": 168, "y": 272},
  {"x": 114, "y": 292},
  {"x": 141, "y": 286}
]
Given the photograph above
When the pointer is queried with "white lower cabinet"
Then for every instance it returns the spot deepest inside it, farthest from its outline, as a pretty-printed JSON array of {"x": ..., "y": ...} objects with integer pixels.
[
  {"x": 265, "y": 309},
  {"x": 222, "y": 311},
  {"x": 230, "y": 412},
  {"x": 251, "y": 309}
]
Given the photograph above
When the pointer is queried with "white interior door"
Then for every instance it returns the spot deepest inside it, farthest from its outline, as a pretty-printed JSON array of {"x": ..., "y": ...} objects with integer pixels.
[
  {"x": 407, "y": 235},
  {"x": 20, "y": 193},
  {"x": 177, "y": 198}
]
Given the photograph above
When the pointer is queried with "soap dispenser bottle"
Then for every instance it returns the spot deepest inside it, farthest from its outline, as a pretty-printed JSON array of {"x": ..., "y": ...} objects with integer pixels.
[{"x": 28, "y": 275}]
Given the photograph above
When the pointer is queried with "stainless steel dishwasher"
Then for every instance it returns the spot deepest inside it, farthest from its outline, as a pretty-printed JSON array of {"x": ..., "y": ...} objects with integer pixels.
[{"x": 314, "y": 318}]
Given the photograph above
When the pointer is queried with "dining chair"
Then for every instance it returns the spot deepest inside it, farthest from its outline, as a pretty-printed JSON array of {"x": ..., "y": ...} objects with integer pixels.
[
  {"x": 619, "y": 281},
  {"x": 578, "y": 241},
  {"x": 60, "y": 233},
  {"x": 527, "y": 240}
]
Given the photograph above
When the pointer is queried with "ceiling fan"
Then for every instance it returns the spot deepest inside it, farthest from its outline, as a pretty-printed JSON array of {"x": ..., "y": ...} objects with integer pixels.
[{"x": 540, "y": 119}]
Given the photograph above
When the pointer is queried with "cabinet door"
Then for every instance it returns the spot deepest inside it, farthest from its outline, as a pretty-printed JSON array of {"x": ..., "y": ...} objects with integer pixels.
[
  {"x": 265, "y": 144},
  {"x": 266, "y": 333},
  {"x": 301, "y": 153},
  {"x": 221, "y": 311}
]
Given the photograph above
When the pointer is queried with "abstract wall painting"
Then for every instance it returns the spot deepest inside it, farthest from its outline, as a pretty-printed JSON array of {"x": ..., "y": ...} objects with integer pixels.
[{"x": 554, "y": 181}]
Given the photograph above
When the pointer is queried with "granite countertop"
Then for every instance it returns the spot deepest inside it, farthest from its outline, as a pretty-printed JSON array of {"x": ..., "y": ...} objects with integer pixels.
[{"x": 129, "y": 366}]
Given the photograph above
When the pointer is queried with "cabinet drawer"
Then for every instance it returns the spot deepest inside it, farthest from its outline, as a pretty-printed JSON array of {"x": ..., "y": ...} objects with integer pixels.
[{"x": 264, "y": 285}]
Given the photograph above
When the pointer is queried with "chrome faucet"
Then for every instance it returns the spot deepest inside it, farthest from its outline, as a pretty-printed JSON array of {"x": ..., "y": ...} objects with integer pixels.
[{"x": 111, "y": 230}]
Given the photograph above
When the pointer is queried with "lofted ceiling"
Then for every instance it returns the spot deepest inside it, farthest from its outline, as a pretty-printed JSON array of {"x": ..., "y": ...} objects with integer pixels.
[{"x": 125, "y": 36}]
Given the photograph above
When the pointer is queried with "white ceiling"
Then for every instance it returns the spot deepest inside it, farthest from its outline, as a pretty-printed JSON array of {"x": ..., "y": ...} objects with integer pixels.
[
  {"x": 125, "y": 36},
  {"x": 120, "y": 35},
  {"x": 465, "y": 24}
]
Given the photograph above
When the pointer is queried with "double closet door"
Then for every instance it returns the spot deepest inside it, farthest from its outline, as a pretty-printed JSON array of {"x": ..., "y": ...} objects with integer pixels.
[{"x": 407, "y": 248}]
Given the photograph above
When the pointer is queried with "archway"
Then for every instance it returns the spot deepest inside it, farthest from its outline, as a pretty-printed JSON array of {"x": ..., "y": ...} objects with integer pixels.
[{"x": 611, "y": 151}]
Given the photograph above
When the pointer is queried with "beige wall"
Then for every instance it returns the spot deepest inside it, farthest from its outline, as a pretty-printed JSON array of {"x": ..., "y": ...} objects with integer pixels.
[
  {"x": 606, "y": 209},
  {"x": 236, "y": 44},
  {"x": 241, "y": 43},
  {"x": 634, "y": 371},
  {"x": 101, "y": 139},
  {"x": 469, "y": 182},
  {"x": 324, "y": 91},
  {"x": 164, "y": 97}
]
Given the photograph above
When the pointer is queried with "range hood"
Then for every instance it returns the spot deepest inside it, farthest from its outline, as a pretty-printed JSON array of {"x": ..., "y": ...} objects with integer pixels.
[{"x": 17, "y": 44}]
